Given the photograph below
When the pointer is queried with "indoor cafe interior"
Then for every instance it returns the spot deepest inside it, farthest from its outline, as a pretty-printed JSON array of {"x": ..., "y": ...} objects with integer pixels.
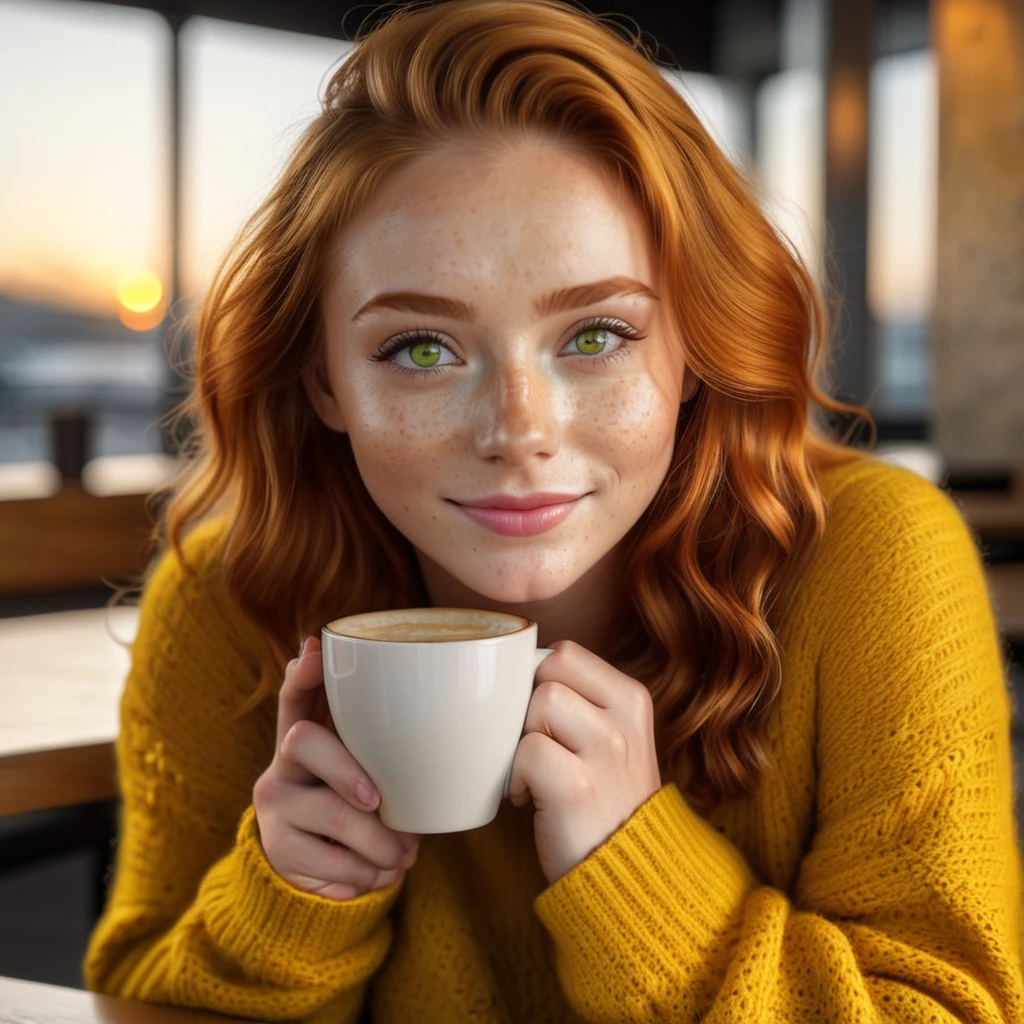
[{"x": 885, "y": 141}]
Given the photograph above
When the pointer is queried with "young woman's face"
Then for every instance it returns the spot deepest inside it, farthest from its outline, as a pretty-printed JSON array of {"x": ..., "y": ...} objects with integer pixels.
[{"x": 494, "y": 338}]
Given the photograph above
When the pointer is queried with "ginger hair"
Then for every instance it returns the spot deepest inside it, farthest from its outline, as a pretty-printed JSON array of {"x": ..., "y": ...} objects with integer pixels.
[{"x": 715, "y": 556}]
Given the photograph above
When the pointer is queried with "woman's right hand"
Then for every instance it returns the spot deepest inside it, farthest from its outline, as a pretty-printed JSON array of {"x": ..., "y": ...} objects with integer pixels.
[{"x": 316, "y": 807}]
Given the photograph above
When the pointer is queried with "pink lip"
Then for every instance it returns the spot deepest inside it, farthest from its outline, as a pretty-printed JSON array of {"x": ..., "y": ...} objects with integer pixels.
[{"x": 520, "y": 517}]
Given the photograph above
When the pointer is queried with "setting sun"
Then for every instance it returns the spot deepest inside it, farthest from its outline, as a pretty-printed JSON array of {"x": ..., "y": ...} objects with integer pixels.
[
  {"x": 140, "y": 291},
  {"x": 140, "y": 300}
]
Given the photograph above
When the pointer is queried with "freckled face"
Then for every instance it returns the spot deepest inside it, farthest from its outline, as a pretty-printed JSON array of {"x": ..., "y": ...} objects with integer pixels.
[{"x": 521, "y": 383}]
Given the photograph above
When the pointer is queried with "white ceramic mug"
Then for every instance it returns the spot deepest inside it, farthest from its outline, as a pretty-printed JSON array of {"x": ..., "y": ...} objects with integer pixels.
[{"x": 431, "y": 702}]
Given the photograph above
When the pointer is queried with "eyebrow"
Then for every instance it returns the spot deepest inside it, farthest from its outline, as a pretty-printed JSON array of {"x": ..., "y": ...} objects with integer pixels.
[{"x": 554, "y": 302}]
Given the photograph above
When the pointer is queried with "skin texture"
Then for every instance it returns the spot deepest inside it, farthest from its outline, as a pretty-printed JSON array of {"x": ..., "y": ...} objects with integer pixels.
[
  {"x": 514, "y": 405},
  {"x": 497, "y": 230}
]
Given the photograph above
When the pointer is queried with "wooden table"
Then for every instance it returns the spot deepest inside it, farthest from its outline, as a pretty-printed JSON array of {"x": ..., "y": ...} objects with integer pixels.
[
  {"x": 27, "y": 1002},
  {"x": 61, "y": 677}
]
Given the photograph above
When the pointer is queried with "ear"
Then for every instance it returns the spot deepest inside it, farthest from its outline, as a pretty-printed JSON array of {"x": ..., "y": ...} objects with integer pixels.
[
  {"x": 690, "y": 384},
  {"x": 322, "y": 398}
]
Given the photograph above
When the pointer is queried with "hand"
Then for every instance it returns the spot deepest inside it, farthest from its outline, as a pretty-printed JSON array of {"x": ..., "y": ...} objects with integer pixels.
[
  {"x": 587, "y": 758},
  {"x": 316, "y": 807}
]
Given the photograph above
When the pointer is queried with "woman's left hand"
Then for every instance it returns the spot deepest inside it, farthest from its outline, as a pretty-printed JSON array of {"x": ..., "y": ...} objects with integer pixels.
[{"x": 586, "y": 759}]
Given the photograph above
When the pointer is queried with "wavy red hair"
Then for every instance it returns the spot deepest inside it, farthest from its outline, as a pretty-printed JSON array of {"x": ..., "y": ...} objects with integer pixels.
[{"x": 714, "y": 557}]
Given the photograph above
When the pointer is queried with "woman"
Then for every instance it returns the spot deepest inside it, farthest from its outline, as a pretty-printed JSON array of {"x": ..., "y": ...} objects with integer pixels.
[{"x": 766, "y": 774}]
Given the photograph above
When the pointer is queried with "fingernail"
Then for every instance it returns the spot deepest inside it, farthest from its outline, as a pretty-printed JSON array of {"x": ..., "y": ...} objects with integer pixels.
[
  {"x": 365, "y": 794},
  {"x": 302, "y": 649}
]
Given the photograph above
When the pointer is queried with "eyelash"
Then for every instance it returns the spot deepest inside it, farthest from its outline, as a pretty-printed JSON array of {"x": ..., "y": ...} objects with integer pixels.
[{"x": 409, "y": 338}]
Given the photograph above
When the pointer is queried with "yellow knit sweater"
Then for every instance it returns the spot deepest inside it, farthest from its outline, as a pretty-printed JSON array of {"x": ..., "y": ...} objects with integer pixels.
[{"x": 873, "y": 875}]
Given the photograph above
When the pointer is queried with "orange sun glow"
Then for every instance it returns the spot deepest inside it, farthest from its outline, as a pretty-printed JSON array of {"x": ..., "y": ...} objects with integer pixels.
[{"x": 140, "y": 300}]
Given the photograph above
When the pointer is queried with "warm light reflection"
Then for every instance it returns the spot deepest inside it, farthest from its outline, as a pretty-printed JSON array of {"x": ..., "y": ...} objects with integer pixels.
[
  {"x": 140, "y": 300},
  {"x": 140, "y": 291},
  {"x": 847, "y": 122}
]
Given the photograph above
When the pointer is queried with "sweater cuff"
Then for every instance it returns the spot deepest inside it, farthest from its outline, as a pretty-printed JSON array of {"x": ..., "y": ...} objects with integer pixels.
[
  {"x": 257, "y": 917},
  {"x": 665, "y": 885}
]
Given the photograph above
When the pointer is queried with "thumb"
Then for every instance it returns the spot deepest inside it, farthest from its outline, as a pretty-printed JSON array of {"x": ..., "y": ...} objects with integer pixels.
[{"x": 302, "y": 679}]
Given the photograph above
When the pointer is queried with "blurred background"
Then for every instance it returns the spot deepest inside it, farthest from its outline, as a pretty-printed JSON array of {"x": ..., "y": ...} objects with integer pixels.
[{"x": 884, "y": 138}]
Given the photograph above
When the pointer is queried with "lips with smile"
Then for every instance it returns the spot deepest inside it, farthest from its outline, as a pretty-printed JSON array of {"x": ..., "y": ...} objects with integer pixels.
[{"x": 520, "y": 517}]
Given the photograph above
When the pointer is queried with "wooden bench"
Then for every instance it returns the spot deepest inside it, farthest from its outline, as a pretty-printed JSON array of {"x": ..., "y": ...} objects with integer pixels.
[{"x": 72, "y": 539}]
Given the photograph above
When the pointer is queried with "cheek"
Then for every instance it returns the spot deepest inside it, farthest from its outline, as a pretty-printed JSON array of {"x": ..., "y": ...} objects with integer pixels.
[
  {"x": 634, "y": 424},
  {"x": 396, "y": 438}
]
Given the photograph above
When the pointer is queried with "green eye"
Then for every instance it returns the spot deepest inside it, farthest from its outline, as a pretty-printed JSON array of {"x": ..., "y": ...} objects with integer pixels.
[
  {"x": 591, "y": 342},
  {"x": 425, "y": 353}
]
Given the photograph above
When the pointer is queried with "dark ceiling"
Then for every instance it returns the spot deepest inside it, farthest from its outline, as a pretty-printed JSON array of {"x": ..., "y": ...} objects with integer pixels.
[
  {"x": 684, "y": 30},
  {"x": 732, "y": 37}
]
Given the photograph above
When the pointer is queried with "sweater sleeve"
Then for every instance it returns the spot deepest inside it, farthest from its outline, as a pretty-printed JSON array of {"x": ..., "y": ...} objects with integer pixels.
[
  {"x": 906, "y": 906},
  {"x": 196, "y": 916}
]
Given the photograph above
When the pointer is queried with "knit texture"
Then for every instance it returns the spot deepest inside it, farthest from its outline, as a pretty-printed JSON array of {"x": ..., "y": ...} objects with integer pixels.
[{"x": 872, "y": 875}]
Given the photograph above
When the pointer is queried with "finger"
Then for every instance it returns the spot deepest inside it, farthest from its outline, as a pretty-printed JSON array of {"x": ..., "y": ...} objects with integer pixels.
[
  {"x": 312, "y": 863},
  {"x": 538, "y": 760},
  {"x": 312, "y": 751},
  {"x": 320, "y": 811},
  {"x": 591, "y": 677},
  {"x": 297, "y": 699},
  {"x": 558, "y": 711}
]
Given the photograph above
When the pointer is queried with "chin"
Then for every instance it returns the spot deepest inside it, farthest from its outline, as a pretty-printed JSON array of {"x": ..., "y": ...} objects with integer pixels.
[
  {"x": 518, "y": 584},
  {"x": 518, "y": 594}
]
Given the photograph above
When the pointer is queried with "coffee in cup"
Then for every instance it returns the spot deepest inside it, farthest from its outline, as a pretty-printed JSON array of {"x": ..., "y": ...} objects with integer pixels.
[
  {"x": 427, "y": 625},
  {"x": 431, "y": 702}
]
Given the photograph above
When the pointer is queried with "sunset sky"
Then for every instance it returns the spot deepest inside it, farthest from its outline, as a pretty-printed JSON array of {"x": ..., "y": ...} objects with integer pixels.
[{"x": 84, "y": 151}]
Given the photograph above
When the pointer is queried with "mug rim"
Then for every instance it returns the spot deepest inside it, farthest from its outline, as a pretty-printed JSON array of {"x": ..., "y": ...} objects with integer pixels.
[{"x": 526, "y": 624}]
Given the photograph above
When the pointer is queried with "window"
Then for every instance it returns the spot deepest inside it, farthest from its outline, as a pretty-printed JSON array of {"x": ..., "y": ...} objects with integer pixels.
[
  {"x": 902, "y": 208},
  {"x": 902, "y": 185},
  {"x": 721, "y": 106},
  {"x": 85, "y": 199},
  {"x": 248, "y": 93},
  {"x": 790, "y": 161},
  {"x": 83, "y": 185}
]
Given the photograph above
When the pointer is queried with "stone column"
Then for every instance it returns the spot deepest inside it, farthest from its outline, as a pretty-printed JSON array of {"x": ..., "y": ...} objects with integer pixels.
[{"x": 978, "y": 328}]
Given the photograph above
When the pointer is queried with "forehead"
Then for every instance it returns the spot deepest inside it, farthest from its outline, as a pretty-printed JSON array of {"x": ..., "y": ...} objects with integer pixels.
[{"x": 501, "y": 216}]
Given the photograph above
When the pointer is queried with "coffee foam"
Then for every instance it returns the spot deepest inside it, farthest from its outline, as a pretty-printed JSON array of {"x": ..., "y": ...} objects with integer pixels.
[{"x": 427, "y": 625}]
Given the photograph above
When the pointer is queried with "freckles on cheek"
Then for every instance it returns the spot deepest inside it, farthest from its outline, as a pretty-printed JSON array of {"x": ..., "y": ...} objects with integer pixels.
[
  {"x": 638, "y": 421},
  {"x": 400, "y": 436}
]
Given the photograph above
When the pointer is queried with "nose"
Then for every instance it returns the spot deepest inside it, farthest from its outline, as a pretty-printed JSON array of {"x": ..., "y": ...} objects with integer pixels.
[{"x": 517, "y": 418}]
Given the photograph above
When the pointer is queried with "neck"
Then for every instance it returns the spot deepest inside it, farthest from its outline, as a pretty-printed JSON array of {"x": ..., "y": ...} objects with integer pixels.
[{"x": 593, "y": 612}]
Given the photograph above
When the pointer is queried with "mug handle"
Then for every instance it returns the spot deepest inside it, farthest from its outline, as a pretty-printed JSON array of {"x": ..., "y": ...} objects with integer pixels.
[{"x": 539, "y": 655}]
